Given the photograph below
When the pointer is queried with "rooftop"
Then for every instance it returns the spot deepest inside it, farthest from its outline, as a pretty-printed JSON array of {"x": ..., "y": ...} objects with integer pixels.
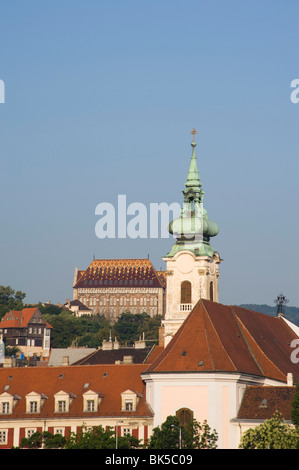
[
  {"x": 120, "y": 273},
  {"x": 260, "y": 403},
  {"x": 216, "y": 337}
]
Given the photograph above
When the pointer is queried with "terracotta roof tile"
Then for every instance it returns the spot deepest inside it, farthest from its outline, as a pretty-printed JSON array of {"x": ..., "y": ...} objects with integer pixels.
[
  {"x": 19, "y": 318},
  {"x": 215, "y": 337},
  {"x": 108, "y": 380},
  {"x": 262, "y": 402}
]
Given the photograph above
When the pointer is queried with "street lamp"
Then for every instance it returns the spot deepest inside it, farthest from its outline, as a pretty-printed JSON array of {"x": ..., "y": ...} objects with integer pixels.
[
  {"x": 116, "y": 433},
  {"x": 180, "y": 434}
]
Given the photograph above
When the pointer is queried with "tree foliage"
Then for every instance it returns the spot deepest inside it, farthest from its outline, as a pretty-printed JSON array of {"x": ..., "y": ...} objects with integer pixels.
[
  {"x": 273, "y": 433},
  {"x": 171, "y": 435},
  {"x": 95, "y": 437},
  {"x": 90, "y": 331},
  {"x": 130, "y": 327},
  {"x": 10, "y": 300},
  {"x": 295, "y": 407},
  {"x": 46, "y": 440}
]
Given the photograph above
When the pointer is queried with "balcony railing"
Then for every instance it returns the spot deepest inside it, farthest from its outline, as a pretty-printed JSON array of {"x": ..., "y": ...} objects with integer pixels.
[{"x": 185, "y": 307}]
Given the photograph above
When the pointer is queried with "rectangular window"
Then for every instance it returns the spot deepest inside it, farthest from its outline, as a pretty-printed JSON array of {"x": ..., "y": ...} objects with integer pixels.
[
  {"x": 3, "y": 436},
  {"x": 90, "y": 405},
  {"x": 30, "y": 431},
  {"x": 126, "y": 431},
  {"x": 5, "y": 407},
  {"x": 59, "y": 431},
  {"x": 129, "y": 405},
  {"x": 33, "y": 407},
  {"x": 61, "y": 406}
]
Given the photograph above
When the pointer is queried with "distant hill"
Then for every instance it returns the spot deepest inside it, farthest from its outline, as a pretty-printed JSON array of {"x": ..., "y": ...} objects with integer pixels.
[{"x": 290, "y": 313}]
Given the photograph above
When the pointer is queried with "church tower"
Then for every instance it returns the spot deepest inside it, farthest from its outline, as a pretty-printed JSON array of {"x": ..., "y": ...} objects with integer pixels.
[{"x": 192, "y": 265}]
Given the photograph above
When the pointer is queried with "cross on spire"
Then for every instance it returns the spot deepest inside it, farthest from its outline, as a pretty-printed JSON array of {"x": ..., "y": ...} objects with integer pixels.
[{"x": 193, "y": 133}]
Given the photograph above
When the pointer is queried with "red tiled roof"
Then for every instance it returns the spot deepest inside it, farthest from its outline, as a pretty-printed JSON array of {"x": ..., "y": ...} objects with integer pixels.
[
  {"x": 215, "y": 337},
  {"x": 19, "y": 318},
  {"x": 119, "y": 273},
  {"x": 262, "y": 402},
  {"x": 154, "y": 353},
  {"x": 108, "y": 380}
]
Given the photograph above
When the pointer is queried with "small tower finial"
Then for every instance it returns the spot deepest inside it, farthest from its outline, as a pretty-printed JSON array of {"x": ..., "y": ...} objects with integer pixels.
[{"x": 193, "y": 133}]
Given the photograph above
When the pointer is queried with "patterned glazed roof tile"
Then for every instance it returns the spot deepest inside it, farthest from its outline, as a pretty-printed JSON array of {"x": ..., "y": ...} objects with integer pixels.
[{"x": 119, "y": 273}]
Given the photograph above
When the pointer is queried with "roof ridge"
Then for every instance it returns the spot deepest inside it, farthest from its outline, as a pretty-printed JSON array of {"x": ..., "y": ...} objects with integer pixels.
[
  {"x": 239, "y": 321},
  {"x": 216, "y": 333},
  {"x": 246, "y": 342},
  {"x": 167, "y": 350}
]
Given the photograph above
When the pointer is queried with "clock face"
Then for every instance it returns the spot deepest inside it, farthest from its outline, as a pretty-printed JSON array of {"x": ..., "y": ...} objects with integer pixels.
[{"x": 185, "y": 263}]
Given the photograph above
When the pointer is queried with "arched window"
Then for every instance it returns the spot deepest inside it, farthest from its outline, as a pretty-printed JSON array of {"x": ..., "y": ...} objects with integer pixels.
[
  {"x": 211, "y": 291},
  {"x": 186, "y": 292},
  {"x": 185, "y": 416}
]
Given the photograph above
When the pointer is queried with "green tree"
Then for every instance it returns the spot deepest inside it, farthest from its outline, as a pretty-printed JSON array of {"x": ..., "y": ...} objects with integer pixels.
[
  {"x": 46, "y": 440},
  {"x": 199, "y": 436},
  {"x": 10, "y": 300},
  {"x": 50, "y": 309},
  {"x": 171, "y": 435},
  {"x": 273, "y": 433},
  {"x": 295, "y": 407},
  {"x": 130, "y": 327},
  {"x": 166, "y": 436},
  {"x": 53, "y": 441},
  {"x": 127, "y": 326},
  {"x": 32, "y": 442},
  {"x": 11, "y": 350},
  {"x": 99, "y": 438}
]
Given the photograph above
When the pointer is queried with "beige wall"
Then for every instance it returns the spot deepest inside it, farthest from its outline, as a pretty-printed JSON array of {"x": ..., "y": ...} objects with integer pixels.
[{"x": 114, "y": 301}]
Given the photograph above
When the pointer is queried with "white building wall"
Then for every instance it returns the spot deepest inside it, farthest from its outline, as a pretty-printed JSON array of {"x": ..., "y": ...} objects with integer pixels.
[{"x": 214, "y": 397}]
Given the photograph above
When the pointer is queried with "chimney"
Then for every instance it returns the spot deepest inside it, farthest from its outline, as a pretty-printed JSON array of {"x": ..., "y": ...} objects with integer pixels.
[
  {"x": 141, "y": 343},
  {"x": 128, "y": 360},
  {"x": 65, "y": 361},
  {"x": 290, "y": 380},
  {"x": 107, "y": 345}
]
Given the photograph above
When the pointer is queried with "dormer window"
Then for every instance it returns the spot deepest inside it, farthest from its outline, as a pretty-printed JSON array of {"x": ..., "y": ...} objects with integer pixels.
[
  {"x": 91, "y": 401},
  {"x": 129, "y": 400},
  {"x": 8, "y": 402},
  {"x": 63, "y": 401},
  {"x": 34, "y": 402}
]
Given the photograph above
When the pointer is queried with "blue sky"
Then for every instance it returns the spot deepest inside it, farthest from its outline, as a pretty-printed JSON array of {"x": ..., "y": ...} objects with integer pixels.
[{"x": 100, "y": 99}]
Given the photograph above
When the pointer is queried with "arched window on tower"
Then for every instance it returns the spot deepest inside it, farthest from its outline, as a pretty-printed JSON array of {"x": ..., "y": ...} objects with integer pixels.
[
  {"x": 211, "y": 291},
  {"x": 186, "y": 292}
]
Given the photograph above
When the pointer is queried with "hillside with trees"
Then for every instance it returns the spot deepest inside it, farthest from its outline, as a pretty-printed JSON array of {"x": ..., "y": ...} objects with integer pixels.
[{"x": 290, "y": 313}]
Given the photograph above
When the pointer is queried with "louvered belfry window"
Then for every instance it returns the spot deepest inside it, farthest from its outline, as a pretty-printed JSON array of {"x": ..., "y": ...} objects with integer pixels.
[{"x": 186, "y": 292}]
